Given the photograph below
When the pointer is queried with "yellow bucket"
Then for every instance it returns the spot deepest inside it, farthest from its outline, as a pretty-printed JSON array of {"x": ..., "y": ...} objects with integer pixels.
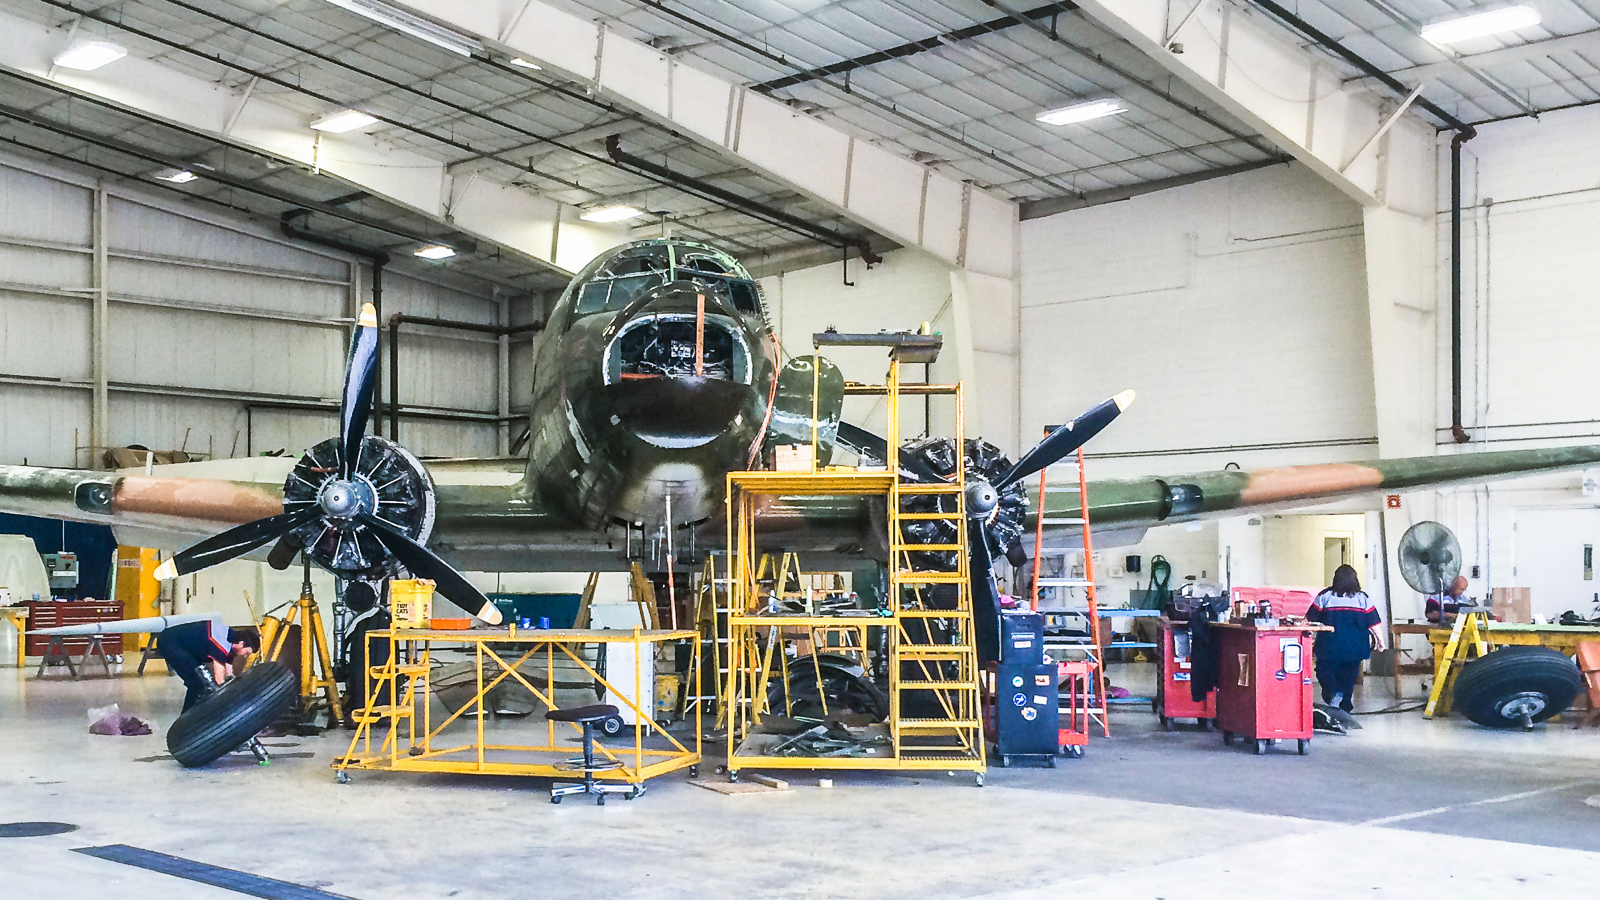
[{"x": 411, "y": 602}]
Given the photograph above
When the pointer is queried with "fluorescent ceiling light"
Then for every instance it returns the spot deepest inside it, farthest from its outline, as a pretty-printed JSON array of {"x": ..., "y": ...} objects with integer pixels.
[
  {"x": 605, "y": 215},
  {"x": 90, "y": 55},
  {"x": 176, "y": 176},
  {"x": 1081, "y": 112},
  {"x": 1495, "y": 21},
  {"x": 417, "y": 27},
  {"x": 342, "y": 121},
  {"x": 436, "y": 251},
  {"x": 521, "y": 63}
]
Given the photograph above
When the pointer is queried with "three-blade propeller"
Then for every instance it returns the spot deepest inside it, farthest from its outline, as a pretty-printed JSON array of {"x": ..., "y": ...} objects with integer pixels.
[{"x": 346, "y": 502}]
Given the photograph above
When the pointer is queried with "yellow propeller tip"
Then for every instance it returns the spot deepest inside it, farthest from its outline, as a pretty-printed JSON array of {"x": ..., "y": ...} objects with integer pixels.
[
  {"x": 1124, "y": 400},
  {"x": 368, "y": 317},
  {"x": 167, "y": 571}
]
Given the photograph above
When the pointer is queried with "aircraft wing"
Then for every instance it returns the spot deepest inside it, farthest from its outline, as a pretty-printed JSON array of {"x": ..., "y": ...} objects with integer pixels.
[
  {"x": 483, "y": 520},
  {"x": 1135, "y": 503}
]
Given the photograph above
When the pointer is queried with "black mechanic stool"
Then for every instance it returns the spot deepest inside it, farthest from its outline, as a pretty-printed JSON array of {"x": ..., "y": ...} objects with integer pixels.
[{"x": 589, "y": 717}]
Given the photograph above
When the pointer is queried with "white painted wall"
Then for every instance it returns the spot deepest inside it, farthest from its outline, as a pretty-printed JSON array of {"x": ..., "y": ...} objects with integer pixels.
[
  {"x": 1235, "y": 307},
  {"x": 908, "y": 288},
  {"x": 207, "y": 312}
]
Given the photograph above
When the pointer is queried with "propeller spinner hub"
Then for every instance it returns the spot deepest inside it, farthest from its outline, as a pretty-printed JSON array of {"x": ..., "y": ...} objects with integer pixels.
[
  {"x": 346, "y": 499},
  {"x": 981, "y": 497}
]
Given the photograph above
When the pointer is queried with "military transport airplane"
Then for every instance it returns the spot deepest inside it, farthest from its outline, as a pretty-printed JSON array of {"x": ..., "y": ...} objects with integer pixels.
[{"x": 656, "y": 375}]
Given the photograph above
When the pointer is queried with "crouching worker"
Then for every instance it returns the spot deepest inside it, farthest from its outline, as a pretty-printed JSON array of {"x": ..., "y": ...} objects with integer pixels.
[
  {"x": 205, "y": 644},
  {"x": 358, "y": 654}
]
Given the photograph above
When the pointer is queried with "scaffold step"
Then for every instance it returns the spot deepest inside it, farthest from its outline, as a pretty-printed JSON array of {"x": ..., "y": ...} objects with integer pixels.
[
  {"x": 928, "y": 578},
  {"x": 928, "y": 516},
  {"x": 385, "y": 672},
  {"x": 936, "y": 754},
  {"x": 937, "y": 685},
  {"x": 937, "y": 724},
  {"x": 934, "y": 613},
  {"x": 926, "y": 650},
  {"x": 918, "y": 489},
  {"x": 379, "y": 713},
  {"x": 928, "y": 547}
]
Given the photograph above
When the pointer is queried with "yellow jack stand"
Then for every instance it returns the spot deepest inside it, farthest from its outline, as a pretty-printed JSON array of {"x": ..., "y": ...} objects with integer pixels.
[
  {"x": 1467, "y": 642},
  {"x": 316, "y": 663}
]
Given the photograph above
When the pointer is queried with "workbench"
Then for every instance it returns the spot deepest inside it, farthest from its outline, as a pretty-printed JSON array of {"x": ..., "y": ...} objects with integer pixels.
[{"x": 402, "y": 736}]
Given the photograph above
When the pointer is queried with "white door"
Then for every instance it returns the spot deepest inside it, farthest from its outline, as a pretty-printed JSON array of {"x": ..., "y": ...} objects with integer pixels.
[{"x": 1550, "y": 557}]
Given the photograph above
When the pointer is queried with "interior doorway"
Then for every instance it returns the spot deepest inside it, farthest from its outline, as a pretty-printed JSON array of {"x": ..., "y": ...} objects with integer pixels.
[{"x": 1335, "y": 553}]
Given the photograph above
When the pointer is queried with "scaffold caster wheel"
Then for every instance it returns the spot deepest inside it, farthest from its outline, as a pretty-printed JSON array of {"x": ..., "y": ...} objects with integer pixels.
[
  {"x": 638, "y": 790},
  {"x": 1227, "y": 738},
  {"x": 694, "y": 771},
  {"x": 599, "y": 799},
  {"x": 555, "y": 799},
  {"x": 722, "y": 770},
  {"x": 1305, "y": 747},
  {"x": 977, "y": 779},
  {"x": 341, "y": 777},
  {"x": 733, "y": 775},
  {"x": 1261, "y": 746}
]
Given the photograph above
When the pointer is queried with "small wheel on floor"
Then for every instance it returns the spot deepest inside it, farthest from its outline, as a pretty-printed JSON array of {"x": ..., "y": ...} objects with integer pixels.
[
  {"x": 611, "y": 726},
  {"x": 1205, "y": 724},
  {"x": 1074, "y": 751},
  {"x": 1305, "y": 747},
  {"x": 1166, "y": 724},
  {"x": 599, "y": 799},
  {"x": 722, "y": 770},
  {"x": 1227, "y": 738},
  {"x": 1261, "y": 746},
  {"x": 1005, "y": 762},
  {"x": 694, "y": 771},
  {"x": 556, "y": 799},
  {"x": 638, "y": 791},
  {"x": 342, "y": 777},
  {"x": 1051, "y": 760},
  {"x": 733, "y": 775},
  {"x": 977, "y": 779}
]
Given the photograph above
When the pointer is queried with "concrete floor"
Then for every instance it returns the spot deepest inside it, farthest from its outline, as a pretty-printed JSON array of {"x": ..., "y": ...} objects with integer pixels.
[{"x": 1403, "y": 807}]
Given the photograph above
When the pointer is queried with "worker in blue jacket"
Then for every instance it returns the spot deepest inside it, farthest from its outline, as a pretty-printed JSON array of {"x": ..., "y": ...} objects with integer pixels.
[{"x": 1357, "y": 629}]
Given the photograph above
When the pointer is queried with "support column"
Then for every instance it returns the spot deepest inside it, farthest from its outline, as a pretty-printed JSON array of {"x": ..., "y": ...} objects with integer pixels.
[
  {"x": 502, "y": 430},
  {"x": 1401, "y": 253},
  {"x": 99, "y": 411},
  {"x": 987, "y": 347}
]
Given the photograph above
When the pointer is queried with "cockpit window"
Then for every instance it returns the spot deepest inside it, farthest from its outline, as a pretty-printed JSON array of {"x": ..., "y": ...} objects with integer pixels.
[{"x": 606, "y": 294}]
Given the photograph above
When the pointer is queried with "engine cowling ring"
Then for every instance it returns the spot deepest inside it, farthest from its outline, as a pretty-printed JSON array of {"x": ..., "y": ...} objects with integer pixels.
[{"x": 389, "y": 482}]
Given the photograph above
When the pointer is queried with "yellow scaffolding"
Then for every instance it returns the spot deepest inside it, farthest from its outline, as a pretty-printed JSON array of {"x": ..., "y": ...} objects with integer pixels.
[
  {"x": 401, "y": 735},
  {"x": 940, "y": 677}
]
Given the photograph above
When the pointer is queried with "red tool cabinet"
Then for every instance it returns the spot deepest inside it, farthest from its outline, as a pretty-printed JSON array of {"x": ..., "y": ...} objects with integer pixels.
[
  {"x": 1173, "y": 697},
  {"x": 54, "y": 613},
  {"x": 1264, "y": 684}
]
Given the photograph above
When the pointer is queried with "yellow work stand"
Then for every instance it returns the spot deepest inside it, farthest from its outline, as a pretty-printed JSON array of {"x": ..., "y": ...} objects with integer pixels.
[
  {"x": 18, "y": 616},
  {"x": 402, "y": 735},
  {"x": 1467, "y": 642}
]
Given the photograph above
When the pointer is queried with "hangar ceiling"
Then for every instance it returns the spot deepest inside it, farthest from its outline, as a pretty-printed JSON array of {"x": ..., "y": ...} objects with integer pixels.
[{"x": 952, "y": 84}]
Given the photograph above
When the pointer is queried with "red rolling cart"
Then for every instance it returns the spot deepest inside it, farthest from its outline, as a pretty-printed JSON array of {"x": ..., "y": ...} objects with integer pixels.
[
  {"x": 1264, "y": 683},
  {"x": 1173, "y": 697}
]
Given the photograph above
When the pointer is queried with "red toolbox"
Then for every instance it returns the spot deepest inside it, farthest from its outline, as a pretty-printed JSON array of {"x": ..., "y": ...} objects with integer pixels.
[
  {"x": 1264, "y": 684},
  {"x": 1173, "y": 697},
  {"x": 54, "y": 613}
]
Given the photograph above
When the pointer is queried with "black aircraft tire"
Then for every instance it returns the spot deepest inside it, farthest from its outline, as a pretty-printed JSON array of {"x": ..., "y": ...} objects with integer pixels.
[
  {"x": 220, "y": 723},
  {"x": 1489, "y": 689}
]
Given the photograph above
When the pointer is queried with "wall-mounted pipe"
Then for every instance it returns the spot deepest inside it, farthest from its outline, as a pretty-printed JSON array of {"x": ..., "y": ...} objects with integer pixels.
[
  {"x": 1463, "y": 133},
  {"x": 398, "y": 319}
]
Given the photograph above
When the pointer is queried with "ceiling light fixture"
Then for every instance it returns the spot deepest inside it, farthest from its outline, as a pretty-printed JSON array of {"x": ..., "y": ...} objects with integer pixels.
[
  {"x": 1081, "y": 112},
  {"x": 416, "y": 26},
  {"x": 342, "y": 121},
  {"x": 176, "y": 176},
  {"x": 606, "y": 215},
  {"x": 90, "y": 55},
  {"x": 1483, "y": 24},
  {"x": 521, "y": 63},
  {"x": 435, "y": 251}
]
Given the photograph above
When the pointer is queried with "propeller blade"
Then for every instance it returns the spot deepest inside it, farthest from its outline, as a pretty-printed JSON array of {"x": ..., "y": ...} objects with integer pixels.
[
  {"x": 234, "y": 542},
  {"x": 359, "y": 378},
  {"x": 424, "y": 563},
  {"x": 865, "y": 443},
  {"x": 1066, "y": 439},
  {"x": 985, "y": 594}
]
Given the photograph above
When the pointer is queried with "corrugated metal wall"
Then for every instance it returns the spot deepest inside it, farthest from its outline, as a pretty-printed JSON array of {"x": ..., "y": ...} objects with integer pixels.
[{"x": 213, "y": 324}]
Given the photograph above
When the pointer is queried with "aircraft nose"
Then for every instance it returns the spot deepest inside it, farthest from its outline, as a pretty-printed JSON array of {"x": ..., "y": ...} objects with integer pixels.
[{"x": 678, "y": 411}]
